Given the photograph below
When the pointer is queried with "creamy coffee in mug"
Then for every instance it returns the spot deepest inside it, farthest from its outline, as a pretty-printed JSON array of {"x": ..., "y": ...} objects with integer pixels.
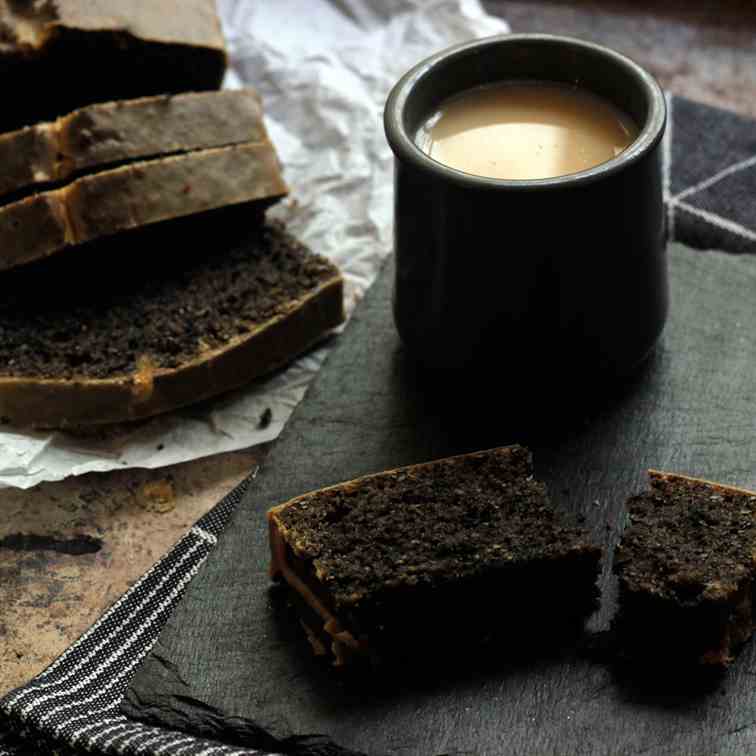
[
  {"x": 539, "y": 286},
  {"x": 526, "y": 130}
]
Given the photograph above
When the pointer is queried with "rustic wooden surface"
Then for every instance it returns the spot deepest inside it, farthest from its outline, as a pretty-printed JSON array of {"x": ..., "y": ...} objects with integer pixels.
[
  {"x": 703, "y": 50},
  {"x": 91, "y": 537}
]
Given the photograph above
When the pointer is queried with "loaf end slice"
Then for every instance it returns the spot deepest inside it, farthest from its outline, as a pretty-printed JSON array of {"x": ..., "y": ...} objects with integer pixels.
[
  {"x": 97, "y": 343},
  {"x": 432, "y": 558},
  {"x": 686, "y": 566}
]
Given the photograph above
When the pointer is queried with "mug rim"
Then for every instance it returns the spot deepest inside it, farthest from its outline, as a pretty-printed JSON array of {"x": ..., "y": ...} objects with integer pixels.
[{"x": 405, "y": 148}]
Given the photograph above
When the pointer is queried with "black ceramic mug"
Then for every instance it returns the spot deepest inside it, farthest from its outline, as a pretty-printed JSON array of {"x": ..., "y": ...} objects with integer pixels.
[{"x": 561, "y": 277}]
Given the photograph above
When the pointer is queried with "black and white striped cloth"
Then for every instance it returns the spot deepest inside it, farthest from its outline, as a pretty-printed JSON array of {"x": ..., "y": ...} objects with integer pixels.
[
  {"x": 74, "y": 703},
  {"x": 710, "y": 189}
]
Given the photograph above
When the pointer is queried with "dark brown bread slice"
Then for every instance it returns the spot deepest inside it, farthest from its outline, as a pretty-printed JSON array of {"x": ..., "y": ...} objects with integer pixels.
[
  {"x": 686, "y": 568},
  {"x": 137, "y": 195},
  {"x": 57, "y": 55},
  {"x": 85, "y": 341},
  {"x": 115, "y": 132},
  {"x": 434, "y": 555}
]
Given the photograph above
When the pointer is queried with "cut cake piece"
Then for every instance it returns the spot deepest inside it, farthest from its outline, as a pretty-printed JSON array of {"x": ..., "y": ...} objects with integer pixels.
[
  {"x": 432, "y": 556},
  {"x": 115, "y": 132},
  {"x": 58, "y": 55},
  {"x": 85, "y": 340},
  {"x": 136, "y": 195},
  {"x": 686, "y": 566}
]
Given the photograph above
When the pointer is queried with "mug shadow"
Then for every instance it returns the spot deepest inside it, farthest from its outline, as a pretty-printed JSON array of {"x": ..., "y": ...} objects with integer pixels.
[{"x": 477, "y": 410}]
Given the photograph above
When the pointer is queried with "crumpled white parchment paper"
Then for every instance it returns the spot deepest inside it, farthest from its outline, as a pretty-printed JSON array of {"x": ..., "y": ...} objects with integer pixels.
[{"x": 324, "y": 69}]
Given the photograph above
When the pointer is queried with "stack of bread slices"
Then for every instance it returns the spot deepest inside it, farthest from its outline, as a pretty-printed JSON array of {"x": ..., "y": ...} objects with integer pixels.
[{"x": 138, "y": 272}]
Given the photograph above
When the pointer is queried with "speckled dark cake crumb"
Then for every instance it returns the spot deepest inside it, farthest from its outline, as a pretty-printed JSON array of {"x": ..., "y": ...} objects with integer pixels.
[
  {"x": 442, "y": 548},
  {"x": 686, "y": 566},
  {"x": 168, "y": 292}
]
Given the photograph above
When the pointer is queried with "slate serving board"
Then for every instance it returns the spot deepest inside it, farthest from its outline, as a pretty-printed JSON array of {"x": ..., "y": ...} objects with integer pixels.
[{"x": 233, "y": 645}]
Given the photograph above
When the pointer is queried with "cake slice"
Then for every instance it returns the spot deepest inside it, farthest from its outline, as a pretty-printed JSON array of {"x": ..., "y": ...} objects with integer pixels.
[
  {"x": 101, "y": 135},
  {"x": 58, "y": 55},
  {"x": 432, "y": 557},
  {"x": 686, "y": 566},
  {"x": 119, "y": 332},
  {"x": 136, "y": 195}
]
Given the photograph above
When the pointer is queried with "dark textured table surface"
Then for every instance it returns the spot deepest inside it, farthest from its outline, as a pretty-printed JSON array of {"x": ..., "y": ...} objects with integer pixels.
[{"x": 703, "y": 50}]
